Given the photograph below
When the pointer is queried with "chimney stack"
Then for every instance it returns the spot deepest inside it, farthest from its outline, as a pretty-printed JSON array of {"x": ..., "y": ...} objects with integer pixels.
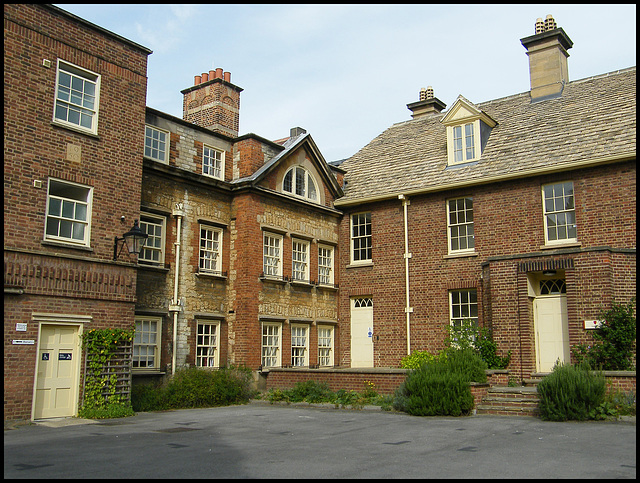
[
  {"x": 547, "y": 51},
  {"x": 428, "y": 104},
  {"x": 213, "y": 102}
]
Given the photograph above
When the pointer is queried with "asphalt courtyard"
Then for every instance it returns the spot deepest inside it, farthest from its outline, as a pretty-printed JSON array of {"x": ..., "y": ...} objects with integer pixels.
[{"x": 259, "y": 440}]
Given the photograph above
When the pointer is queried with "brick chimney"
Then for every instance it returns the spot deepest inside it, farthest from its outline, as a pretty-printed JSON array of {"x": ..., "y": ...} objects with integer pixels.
[
  {"x": 213, "y": 102},
  {"x": 547, "y": 51},
  {"x": 428, "y": 104}
]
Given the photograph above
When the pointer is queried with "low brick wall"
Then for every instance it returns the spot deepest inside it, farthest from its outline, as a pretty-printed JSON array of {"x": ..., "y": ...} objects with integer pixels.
[{"x": 623, "y": 381}]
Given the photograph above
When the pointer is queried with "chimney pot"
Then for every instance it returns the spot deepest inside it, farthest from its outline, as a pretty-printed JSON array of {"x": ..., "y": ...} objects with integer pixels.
[
  {"x": 219, "y": 73},
  {"x": 227, "y": 76},
  {"x": 423, "y": 94},
  {"x": 539, "y": 26},
  {"x": 205, "y": 77},
  {"x": 196, "y": 80},
  {"x": 212, "y": 74},
  {"x": 429, "y": 92},
  {"x": 549, "y": 23}
]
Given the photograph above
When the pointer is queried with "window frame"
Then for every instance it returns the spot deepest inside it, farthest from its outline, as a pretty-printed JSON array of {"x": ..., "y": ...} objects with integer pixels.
[
  {"x": 211, "y": 166},
  {"x": 546, "y": 214},
  {"x": 295, "y": 355},
  {"x": 326, "y": 279},
  {"x": 216, "y": 346},
  {"x": 159, "y": 221},
  {"x": 352, "y": 238},
  {"x": 330, "y": 347},
  {"x": 86, "y": 75},
  {"x": 278, "y": 257},
  {"x": 217, "y": 258},
  {"x": 156, "y": 346},
  {"x": 460, "y": 303},
  {"x": 278, "y": 346},
  {"x": 309, "y": 180},
  {"x": 298, "y": 275},
  {"x": 165, "y": 158},
  {"x": 88, "y": 203},
  {"x": 466, "y": 224}
]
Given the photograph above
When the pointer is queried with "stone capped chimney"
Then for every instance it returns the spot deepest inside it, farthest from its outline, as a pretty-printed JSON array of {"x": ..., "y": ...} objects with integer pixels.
[
  {"x": 213, "y": 102},
  {"x": 428, "y": 104},
  {"x": 547, "y": 51}
]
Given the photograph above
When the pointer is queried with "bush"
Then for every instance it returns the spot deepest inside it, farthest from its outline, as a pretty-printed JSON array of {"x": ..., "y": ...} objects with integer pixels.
[
  {"x": 615, "y": 340},
  {"x": 310, "y": 391},
  {"x": 434, "y": 390},
  {"x": 571, "y": 393},
  {"x": 417, "y": 358},
  {"x": 467, "y": 335},
  {"x": 195, "y": 388},
  {"x": 441, "y": 387}
]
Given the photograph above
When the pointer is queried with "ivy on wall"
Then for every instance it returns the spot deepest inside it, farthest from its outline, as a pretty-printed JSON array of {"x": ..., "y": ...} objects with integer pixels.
[{"x": 107, "y": 381}]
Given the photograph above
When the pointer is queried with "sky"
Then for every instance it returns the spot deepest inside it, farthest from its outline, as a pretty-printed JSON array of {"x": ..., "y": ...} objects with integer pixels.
[{"x": 346, "y": 73}]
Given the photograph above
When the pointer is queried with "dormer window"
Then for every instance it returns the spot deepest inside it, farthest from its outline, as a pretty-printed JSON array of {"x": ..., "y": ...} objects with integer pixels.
[
  {"x": 468, "y": 130},
  {"x": 298, "y": 181}
]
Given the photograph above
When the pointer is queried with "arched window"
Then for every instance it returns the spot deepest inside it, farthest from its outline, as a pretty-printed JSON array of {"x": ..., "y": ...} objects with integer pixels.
[{"x": 298, "y": 181}]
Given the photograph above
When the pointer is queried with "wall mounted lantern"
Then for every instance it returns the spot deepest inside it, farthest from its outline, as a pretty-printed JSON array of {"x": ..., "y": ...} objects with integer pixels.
[{"x": 134, "y": 239}]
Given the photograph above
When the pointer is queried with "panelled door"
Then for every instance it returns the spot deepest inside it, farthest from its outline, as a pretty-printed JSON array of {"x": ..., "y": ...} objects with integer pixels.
[
  {"x": 552, "y": 331},
  {"x": 362, "y": 332},
  {"x": 57, "y": 376}
]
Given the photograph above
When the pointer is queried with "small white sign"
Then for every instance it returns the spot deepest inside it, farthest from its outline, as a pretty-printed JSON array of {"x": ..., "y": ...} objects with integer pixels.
[
  {"x": 21, "y": 327},
  {"x": 592, "y": 324},
  {"x": 23, "y": 342}
]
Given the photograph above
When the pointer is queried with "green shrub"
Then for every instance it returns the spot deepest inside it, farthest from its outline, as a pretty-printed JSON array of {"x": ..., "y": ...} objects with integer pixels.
[
  {"x": 310, "y": 391},
  {"x": 434, "y": 390},
  {"x": 467, "y": 335},
  {"x": 441, "y": 387},
  {"x": 195, "y": 388},
  {"x": 115, "y": 410},
  {"x": 571, "y": 393},
  {"x": 417, "y": 358},
  {"x": 615, "y": 340}
]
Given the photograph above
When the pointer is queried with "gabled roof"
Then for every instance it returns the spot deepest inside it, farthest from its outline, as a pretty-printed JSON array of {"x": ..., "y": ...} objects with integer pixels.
[
  {"x": 293, "y": 144},
  {"x": 593, "y": 122}
]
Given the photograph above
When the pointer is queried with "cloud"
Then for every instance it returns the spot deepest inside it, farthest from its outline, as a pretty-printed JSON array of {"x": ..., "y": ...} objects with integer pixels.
[{"x": 166, "y": 27}]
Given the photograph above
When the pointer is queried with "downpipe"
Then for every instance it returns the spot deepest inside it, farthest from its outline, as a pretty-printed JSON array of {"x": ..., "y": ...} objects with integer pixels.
[{"x": 407, "y": 255}]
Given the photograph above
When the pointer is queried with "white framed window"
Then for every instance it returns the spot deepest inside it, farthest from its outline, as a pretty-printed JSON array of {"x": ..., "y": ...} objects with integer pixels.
[
  {"x": 213, "y": 162},
  {"x": 325, "y": 345},
  {"x": 325, "y": 265},
  {"x": 272, "y": 255},
  {"x": 559, "y": 213},
  {"x": 76, "y": 98},
  {"x": 210, "y": 250},
  {"x": 68, "y": 212},
  {"x": 271, "y": 341},
  {"x": 463, "y": 143},
  {"x": 298, "y": 181},
  {"x": 299, "y": 345},
  {"x": 361, "y": 237},
  {"x": 463, "y": 305},
  {"x": 300, "y": 260},
  {"x": 207, "y": 340},
  {"x": 146, "y": 343},
  {"x": 153, "y": 251},
  {"x": 156, "y": 144},
  {"x": 460, "y": 224}
]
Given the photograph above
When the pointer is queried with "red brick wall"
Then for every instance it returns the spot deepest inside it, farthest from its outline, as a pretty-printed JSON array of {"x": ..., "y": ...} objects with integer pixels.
[
  {"x": 58, "y": 279},
  {"x": 508, "y": 225}
]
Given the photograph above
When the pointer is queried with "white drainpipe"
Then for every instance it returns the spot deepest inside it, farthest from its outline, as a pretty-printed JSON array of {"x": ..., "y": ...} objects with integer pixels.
[
  {"x": 175, "y": 303},
  {"x": 407, "y": 255}
]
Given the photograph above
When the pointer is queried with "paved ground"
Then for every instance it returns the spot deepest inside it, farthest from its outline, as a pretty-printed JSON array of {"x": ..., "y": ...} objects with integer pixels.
[{"x": 264, "y": 441}]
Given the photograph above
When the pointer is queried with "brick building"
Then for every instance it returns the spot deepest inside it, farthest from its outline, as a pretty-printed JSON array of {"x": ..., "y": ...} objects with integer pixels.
[
  {"x": 240, "y": 264},
  {"x": 518, "y": 213},
  {"x": 74, "y": 105}
]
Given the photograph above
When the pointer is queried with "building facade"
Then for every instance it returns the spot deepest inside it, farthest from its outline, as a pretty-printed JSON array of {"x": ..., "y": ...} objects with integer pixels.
[
  {"x": 517, "y": 213},
  {"x": 74, "y": 103}
]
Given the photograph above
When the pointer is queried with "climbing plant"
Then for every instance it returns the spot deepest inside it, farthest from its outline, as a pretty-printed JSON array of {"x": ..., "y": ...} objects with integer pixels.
[{"x": 104, "y": 364}]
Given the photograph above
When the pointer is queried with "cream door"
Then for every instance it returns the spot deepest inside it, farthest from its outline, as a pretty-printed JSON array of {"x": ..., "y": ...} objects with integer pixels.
[
  {"x": 362, "y": 332},
  {"x": 56, "y": 388},
  {"x": 552, "y": 331}
]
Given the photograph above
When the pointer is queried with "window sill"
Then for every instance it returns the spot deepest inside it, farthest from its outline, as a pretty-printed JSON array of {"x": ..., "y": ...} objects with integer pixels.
[
  {"x": 570, "y": 244},
  {"x": 79, "y": 130},
  {"x": 274, "y": 279},
  {"x": 461, "y": 255},
  {"x": 302, "y": 283},
  {"x": 328, "y": 286},
  {"x": 62, "y": 244},
  {"x": 147, "y": 372},
  {"x": 153, "y": 268},
  {"x": 358, "y": 265},
  {"x": 214, "y": 276}
]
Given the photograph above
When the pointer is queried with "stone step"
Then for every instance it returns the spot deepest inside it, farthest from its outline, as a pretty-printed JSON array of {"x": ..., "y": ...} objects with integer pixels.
[{"x": 510, "y": 401}]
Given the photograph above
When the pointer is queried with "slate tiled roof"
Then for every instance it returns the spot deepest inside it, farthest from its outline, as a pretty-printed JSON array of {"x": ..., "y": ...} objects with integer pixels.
[{"x": 594, "y": 118}]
